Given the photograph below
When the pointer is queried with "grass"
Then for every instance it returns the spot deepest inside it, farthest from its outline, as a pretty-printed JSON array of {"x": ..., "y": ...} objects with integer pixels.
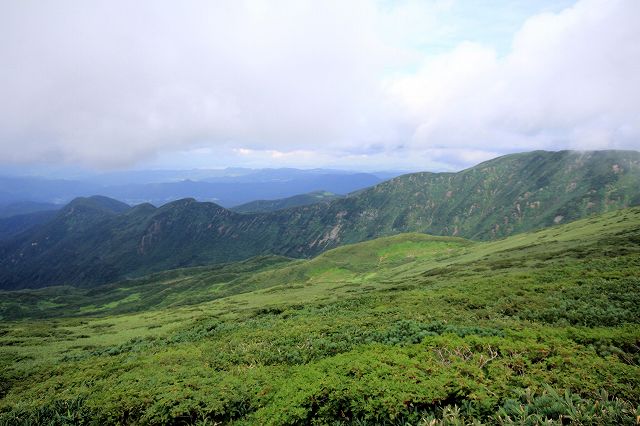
[{"x": 410, "y": 329}]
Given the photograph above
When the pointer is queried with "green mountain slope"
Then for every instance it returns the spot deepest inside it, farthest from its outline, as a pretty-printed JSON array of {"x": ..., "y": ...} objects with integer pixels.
[
  {"x": 497, "y": 198},
  {"x": 168, "y": 289},
  {"x": 14, "y": 225},
  {"x": 263, "y": 206},
  {"x": 408, "y": 329}
]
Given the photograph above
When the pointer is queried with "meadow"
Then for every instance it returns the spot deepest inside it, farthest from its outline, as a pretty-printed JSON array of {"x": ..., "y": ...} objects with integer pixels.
[{"x": 540, "y": 327}]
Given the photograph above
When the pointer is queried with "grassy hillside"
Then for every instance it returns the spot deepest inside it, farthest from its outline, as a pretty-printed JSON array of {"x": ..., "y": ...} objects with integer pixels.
[
  {"x": 409, "y": 329},
  {"x": 263, "y": 206},
  {"x": 166, "y": 289},
  {"x": 501, "y": 197}
]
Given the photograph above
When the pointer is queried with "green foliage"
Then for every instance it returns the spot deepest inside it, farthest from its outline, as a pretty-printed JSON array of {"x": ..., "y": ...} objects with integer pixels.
[
  {"x": 165, "y": 289},
  {"x": 408, "y": 332},
  {"x": 596, "y": 302},
  {"x": 538, "y": 328},
  {"x": 552, "y": 407},
  {"x": 58, "y": 412}
]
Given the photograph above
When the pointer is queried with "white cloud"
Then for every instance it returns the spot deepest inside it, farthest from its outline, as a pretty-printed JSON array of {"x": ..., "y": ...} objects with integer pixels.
[
  {"x": 571, "y": 80},
  {"x": 112, "y": 82},
  {"x": 310, "y": 83}
]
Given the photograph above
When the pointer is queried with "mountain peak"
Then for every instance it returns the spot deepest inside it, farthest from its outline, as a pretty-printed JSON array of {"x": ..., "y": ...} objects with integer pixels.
[{"x": 97, "y": 203}]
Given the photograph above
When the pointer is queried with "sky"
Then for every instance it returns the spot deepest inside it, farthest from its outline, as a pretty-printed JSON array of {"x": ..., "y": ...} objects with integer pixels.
[{"x": 359, "y": 84}]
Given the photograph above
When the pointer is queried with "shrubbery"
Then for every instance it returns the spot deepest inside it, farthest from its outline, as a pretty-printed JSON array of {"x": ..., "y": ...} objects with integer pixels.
[{"x": 549, "y": 337}]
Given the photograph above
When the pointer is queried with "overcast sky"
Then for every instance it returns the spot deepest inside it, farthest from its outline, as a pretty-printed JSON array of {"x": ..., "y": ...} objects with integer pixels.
[{"x": 358, "y": 84}]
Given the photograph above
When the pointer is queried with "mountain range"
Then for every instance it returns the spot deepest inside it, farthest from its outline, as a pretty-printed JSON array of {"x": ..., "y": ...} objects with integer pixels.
[
  {"x": 227, "y": 187},
  {"x": 263, "y": 206},
  {"x": 96, "y": 240}
]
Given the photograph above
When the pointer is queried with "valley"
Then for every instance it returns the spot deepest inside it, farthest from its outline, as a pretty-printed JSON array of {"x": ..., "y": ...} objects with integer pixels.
[{"x": 408, "y": 329}]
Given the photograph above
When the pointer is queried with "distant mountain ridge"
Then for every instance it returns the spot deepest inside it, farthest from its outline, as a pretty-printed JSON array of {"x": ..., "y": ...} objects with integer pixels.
[
  {"x": 500, "y": 197},
  {"x": 229, "y": 187},
  {"x": 26, "y": 207},
  {"x": 263, "y": 206},
  {"x": 233, "y": 192}
]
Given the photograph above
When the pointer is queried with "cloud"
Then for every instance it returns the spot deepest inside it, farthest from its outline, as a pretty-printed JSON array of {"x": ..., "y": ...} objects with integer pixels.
[
  {"x": 110, "y": 84},
  {"x": 570, "y": 80}
]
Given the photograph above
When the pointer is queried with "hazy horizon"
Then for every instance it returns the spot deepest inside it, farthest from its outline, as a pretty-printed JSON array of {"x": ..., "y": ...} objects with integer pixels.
[{"x": 52, "y": 171}]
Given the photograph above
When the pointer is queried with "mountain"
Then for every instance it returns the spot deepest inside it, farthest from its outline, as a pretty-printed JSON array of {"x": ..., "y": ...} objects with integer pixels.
[
  {"x": 228, "y": 187},
  {"x": 26, "y": 207},
  {"x": 510, "y": 194},
  {"x": 21, "y": 216},
  {"x": 97, "y": 204},
  {"x": 20, "y": 189},
  {"x": 230, "y": 192},
  {"x": 261, "y": 206},
  {"x": 81, "y": 209},
  {"x": 537, "y": 328},
  {"x": 228, "y": 175},
  {"x": 15, "y": 225}
]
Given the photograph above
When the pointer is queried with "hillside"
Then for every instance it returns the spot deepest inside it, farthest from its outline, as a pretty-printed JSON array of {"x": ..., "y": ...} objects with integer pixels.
[
  {"x": 409, "y": 329},
  {"x": 263, "y": 206},
  {"x": 14, "y": 225},
  {"x": 504, "y": 196}
]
